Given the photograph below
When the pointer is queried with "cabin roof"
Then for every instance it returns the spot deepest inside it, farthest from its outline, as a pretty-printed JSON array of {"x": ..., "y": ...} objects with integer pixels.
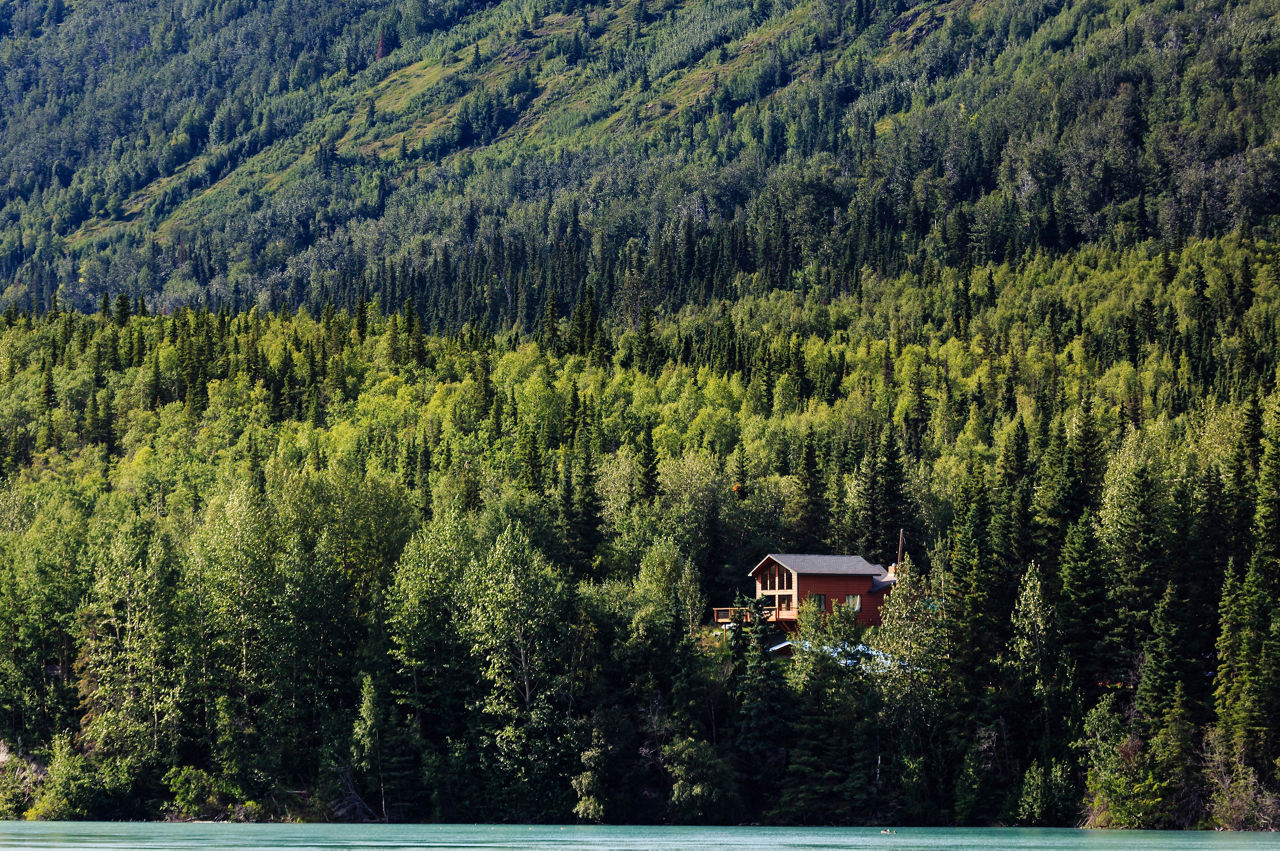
[
  {"x": 882, "y": 582},
  {"x": 823, "y": 565}
]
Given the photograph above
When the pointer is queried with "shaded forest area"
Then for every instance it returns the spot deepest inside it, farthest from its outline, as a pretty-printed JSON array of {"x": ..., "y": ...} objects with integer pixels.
[{"x": 331, "y": 565}]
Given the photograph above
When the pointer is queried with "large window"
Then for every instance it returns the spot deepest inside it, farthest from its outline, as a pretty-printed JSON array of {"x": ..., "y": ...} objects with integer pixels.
[
  {"x": 775, "y": 578},
  {"x": 854, "y": 600},
  {"x": 819, "y": 600}
]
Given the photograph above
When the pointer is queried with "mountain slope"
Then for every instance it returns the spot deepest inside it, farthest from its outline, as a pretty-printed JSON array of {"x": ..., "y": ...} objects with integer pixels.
[{"x": 227, "y": 152}]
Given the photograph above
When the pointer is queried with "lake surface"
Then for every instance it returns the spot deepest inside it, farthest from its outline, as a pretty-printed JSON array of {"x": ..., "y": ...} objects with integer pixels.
[{"x": 116, "y": 835}]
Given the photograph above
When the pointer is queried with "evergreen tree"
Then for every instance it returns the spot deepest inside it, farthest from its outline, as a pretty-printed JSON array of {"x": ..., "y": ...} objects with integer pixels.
[
  {"x": 647, "y": 466},
  {"x": 893, "y": 511},
  {"x": 1086, "y": 459},
  {"x": 1174, "y": 765},
  {"x": 1083, "y": 602},
  {"x": 1010, "y": 515},
  {"x": 154, "y": 388},
  {"x": 811, "y": 525},
  {"x": 1044, "y": 708},
  {"x": 828, "y": 780},
  {"x": 586, "y": 504},
  {"x": 123, "y": 310},
  {"x": 1051, "y": 508},
  {"x": 47, "y": 394},
  {"x": 1163, "y": 662},
  {"x": 1266, "y": 522},
  {"x": 758, "y": 687},
  {"x": 1246, "y": 692},
  {"x": 976, "y": 626}
]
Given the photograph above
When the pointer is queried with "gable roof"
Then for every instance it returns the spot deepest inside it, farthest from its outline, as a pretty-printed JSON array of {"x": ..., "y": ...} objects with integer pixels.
[{"x": 826, "y": 565}]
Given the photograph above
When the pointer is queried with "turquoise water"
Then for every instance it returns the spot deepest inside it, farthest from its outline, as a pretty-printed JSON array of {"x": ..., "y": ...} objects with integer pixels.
[{"x": 111, "y": 836}]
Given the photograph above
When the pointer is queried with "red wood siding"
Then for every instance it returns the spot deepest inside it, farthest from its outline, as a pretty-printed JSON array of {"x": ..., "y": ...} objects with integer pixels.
[{"x": 837, "y": 588}]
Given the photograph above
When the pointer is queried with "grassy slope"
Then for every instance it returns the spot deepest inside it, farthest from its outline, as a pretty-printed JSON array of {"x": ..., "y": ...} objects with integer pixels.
[{"x": 575, "y": 107}]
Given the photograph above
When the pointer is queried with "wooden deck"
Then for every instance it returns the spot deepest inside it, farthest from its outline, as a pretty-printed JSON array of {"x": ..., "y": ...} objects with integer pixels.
[{"x": 725, "y": 615}]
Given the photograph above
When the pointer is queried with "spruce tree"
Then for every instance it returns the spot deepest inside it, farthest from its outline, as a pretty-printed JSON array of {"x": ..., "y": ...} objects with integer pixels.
[
  {"x": 976, "y": 628},
  {"x": 1230, "y": 627},
  {"x": 1163, "y": 663},
  {"x": 1010, "y": 514},
  {"x": 647, "y": 466},
  {"x": 586, "y": 509},
  {"x": 759, "y": 696},
  {"x": 1266, "y": 518},
  {"x": 48, "y": 397},
  {"x": 737, "y": 472},
  {"x": 154, "y": 388},
  {"x": 892, "y": 507},
  {"x": 1238, "y": 501},
  {"x": 858, "y": 519},
  {"x": 1245, "y": 686},
  {"x": 812, "y": 519},
  {"x": 123, "y": 310},
  {"x": 1172, "y": 765},
  {"x": 530, "y": 459},
  {"x": 1086, "y": 459},
  {"x": 92, "y": 426},
  {"x": 1050, "y": 511}
]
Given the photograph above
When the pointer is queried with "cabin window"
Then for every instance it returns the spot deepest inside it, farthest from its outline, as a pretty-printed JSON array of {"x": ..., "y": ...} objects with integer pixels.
[
  {"x": 854, "y": 600},
  {"x": 819, "y": 600},
  {"x": 786, "y": 576}
]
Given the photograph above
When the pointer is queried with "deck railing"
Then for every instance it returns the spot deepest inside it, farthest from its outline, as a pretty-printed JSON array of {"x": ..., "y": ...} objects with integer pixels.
[{"x": 771, "y": 614}]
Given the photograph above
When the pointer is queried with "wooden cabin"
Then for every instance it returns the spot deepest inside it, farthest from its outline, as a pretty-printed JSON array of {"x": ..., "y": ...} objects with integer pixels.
[{"x": 783, "y": 581}]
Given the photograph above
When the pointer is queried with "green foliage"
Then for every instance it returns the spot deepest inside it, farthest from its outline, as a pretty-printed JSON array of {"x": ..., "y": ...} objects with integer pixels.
[
  {"x": 518, "y": 616},
  {"x": 1047, "y": 797},
  {"x": 702, "y": 791},
  {"x": 69, "y": 790},
  {"x": 265, "y": 564},
  {"x": 830, "y": 779},
  {"x": 449, "y": 358},
  {"x": 195, "y": 793}
]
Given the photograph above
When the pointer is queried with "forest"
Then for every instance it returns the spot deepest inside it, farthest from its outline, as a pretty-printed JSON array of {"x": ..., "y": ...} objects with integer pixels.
[
  {"x": 263, "y": 565},
  {"x": 389, "y": 389}
]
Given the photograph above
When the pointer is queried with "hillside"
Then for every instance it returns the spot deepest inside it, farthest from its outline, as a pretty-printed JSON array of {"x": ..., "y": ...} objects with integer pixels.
[
  {"x": 389, "y": 390},
  {"x": 484, "y": 161},
  {"x": 330, "y": 567}
]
